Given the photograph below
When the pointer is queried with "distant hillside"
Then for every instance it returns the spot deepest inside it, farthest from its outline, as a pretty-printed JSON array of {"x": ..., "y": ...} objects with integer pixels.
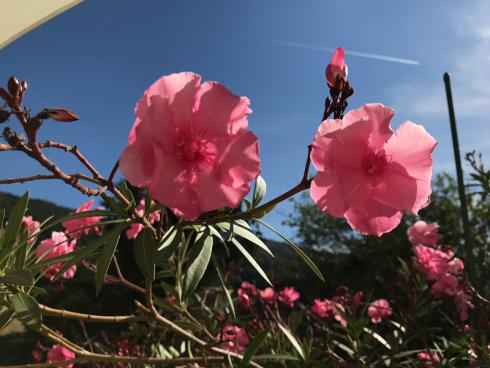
[{"x": 39, "y": 209}]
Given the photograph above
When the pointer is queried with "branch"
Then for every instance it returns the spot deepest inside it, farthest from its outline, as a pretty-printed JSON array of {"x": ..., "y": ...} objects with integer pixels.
[{"x": 62, "y": 313}]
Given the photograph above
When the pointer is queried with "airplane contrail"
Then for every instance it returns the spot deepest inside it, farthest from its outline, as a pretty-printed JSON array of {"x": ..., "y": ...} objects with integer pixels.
[{"x": 347, "y": 52}]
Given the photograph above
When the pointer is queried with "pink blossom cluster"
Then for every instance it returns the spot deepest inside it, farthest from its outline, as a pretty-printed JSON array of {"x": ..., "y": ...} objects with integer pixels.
[
  {"x": 247, "y": 292},
  {"x": 33, "y": 228},
  {"x": 85, "y": 225},
  {"x": 440, "y": 266},
  {"x": 136, "y": 228},
  {"x": 341, "y": 304},
  {"x": 233, "y": 338},
  {"x": 56, "y": 246},
  {"x": 431, "y": 360}
]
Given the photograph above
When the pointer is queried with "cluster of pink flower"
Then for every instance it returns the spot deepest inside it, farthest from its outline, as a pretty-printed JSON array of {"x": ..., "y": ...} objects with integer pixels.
[
  {"x": 247, "y": 291},
  {"x": 234, "y": 338},
  {"x": 61, "y": 243},
  {"x": 440, "y": 266},
  {"x": 136, "y": 228},
  {"x": 190, "y": 147}
]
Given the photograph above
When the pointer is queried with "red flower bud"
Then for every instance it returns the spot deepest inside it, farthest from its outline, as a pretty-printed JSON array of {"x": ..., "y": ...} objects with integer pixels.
[
  {"x": 337, "y": 67},
  {"x": 62, "y": 115},
  {"x": 13, "y": 85}
]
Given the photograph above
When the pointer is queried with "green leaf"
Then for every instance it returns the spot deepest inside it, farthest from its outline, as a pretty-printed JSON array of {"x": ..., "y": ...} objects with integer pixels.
[
  {"x": 18, "y": 278},
  {"x": 297, "y": 250},
  {"x": 127, "y": 193},
  {"x": 259, "y": 191},
  {"x": 169, "y": 243},
  {"x": 253, "y": 347},
  {"x": 113, "y": 204},
  {"x": 5, "y": 317},
  {"x": 264, "y": 211},
  {"x": 144, "y": 251},
  {"x": 199, "y": 260},
  {"x": 104, "y": 260},
  {"x": 27, "y": 310},
  {"x": 223, "y": 285},
  {"x": 251, "y": 259},
  {"x": 275, "y": 357},
  {"x": 2, "y": 218},
  {"x": 292, "y": 340},
  {"x": 13, "y": 224},
  {"x": 242, "y": 229},
  {"x": 21, "y": 250}
]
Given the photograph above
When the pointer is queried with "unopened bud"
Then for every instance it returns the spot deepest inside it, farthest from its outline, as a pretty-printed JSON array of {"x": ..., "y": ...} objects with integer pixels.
[
  {"x": 13, "y": 86},
  {"x": 337, "y": 67},
  {"x": 62, "y": 115},
  {"x": 24, "y": 85}
]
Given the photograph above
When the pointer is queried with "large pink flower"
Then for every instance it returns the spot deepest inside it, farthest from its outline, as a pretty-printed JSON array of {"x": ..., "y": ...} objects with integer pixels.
[
  {"x": 58, "y": 245},
  {"x": 74, "y": 227},
  {"x": 423, "y": 233},
  {"x": 190, "y": 146},
  {"x": 369, "y": 175},
  {"x": 59, "y": 353},
  {"x": 337, "y": 67},
  {"x": 234, "y": 338},
  {"x": 379, "y": 310}
]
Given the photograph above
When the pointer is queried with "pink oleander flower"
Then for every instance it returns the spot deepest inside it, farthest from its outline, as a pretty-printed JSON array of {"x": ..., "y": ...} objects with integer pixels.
[
  {"x": 245, "y": 293},
  {"x": 320, "y": 308},
  {"x": 356, "y": 300},
  {"x": 429, "y": 358},
  {"x": 432, "y": 262},
  {"x": 58, "y": 245},
  {"x": 337, "y": 67},
  {"x": 190, "y": 146},
  {"x": 234, "y": 339},
  {"x": 368, "y": 174},
  {"x": 71, "y": 226},
  {"x": 423, "y": 233},
  {"x": 136, "y": 228},
  {"x": 267, "y": 295},
  {"x": 32, "y": 226},
  {"x": 288, "y": 296},
  {"x": 379, "y": 310},
  {"x": 59, "y": 353}
]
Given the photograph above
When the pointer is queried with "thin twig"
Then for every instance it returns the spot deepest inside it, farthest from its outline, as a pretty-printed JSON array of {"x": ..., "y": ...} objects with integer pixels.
[{"x": 62, "y": 313}]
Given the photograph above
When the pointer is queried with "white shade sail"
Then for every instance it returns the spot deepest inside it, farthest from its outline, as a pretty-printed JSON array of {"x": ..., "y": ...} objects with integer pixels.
[{"x": 18, "y": 17}]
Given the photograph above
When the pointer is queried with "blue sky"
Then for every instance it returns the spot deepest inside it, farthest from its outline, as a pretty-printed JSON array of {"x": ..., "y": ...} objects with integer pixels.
[{"x": 99, "y": 57}]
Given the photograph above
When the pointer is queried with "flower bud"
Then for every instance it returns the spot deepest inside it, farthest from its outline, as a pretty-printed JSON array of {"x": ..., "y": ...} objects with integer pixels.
[
  {"x": 13, "y": 85},
  {"x": 337, "y": 67},
  {"x": 62, "y": 115}
]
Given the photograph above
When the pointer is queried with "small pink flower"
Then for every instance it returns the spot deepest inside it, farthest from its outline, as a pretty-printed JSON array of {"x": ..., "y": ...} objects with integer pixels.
[
  {"x": 72, "y": 226},
  {"x": 379, "y": 310},
  {"x": 337, "y": 67},
  {"x": 423, "y": 233},
  {"x": 288, "y": 296},
  {"x": 136, "y": 227},
  {"x": 267, "y": 295},
  {"x": 59, "y": 353},
  {"x": 249, "y": 288},
  {"x": 320, "y": 308},
  {"x": 190, "y": 146},
  {"x": 368, "y": 174},
  {"x": 430, "y": 358},
  {"x": 32, "y": 226},
  {"x": 58, "y": 245},
  {"x": 234, "y": 339}
]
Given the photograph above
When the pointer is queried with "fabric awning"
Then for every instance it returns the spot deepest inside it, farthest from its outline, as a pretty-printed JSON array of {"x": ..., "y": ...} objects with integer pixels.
[{"x": 18, "y": 17}]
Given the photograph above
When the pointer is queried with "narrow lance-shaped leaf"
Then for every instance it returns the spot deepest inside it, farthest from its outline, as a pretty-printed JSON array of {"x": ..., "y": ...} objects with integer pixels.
[
  {"x": 144, "y": 251},
  {"x": 297, "y": 250},
  {"x": 13, "y": 225},
  {"x": 251, "y": 259},
  {"x": 292, "y": 340},
  {"x": 223, "y": 285},
  {"x": 5, "y": 317},
  {"x": 18, "y": 278},
  {"x": 242, "y": 229},
  {"x": 169, "y": 243},
  {"x": 253, "y": 347},
  {"x": 104, "y": 260},
  {"x": 199, "y": 260},
  {"x": 27, "y": 310}
]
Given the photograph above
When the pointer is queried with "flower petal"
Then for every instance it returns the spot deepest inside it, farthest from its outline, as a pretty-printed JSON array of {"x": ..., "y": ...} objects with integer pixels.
[
  {"x": 325, "y": 192},
  {"x": 379, "y": 220}
]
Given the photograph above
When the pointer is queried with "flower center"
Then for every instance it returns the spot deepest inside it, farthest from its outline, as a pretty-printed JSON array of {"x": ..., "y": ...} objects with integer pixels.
[
  {"x": 374, "y": 163},
  {"x": 192, "y": 147}
]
